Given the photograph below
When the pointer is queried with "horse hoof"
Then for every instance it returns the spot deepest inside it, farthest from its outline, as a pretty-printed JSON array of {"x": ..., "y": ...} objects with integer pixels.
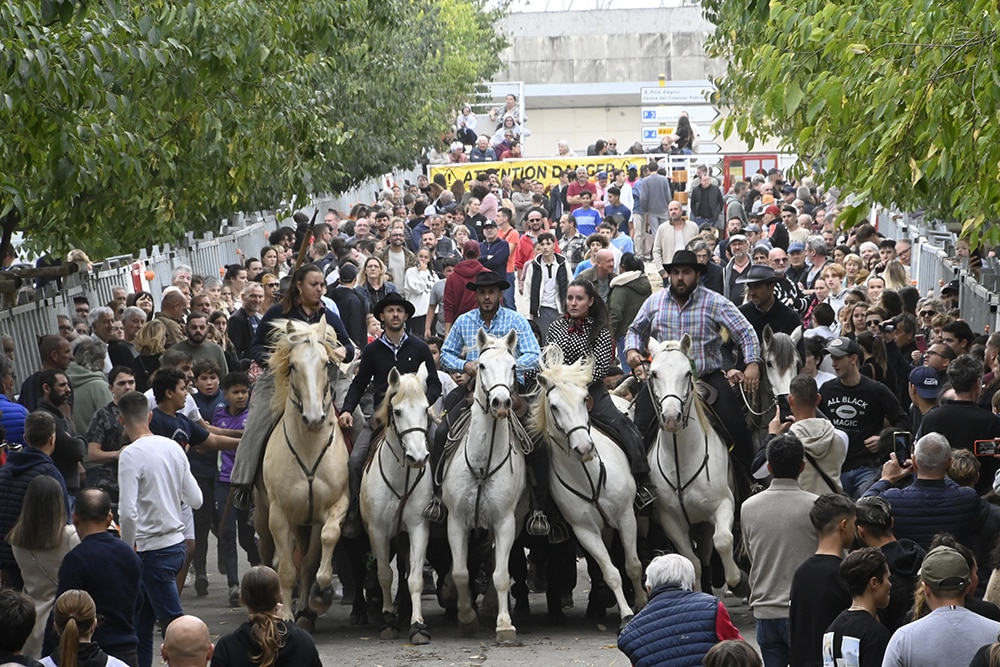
[
  {"x": 741, "y": 589},
  {"x": 419, "y": 635},
  {"x": 506, "y": 636},
  {"x": 388, "y": 633},
  {"x": 624, "y": 622},
  {"x": 306, "y": 620},
  {"x": 320, "y": 599},
  {"x": 596, "y": 611},
  {"x": 469, "y": 629}
]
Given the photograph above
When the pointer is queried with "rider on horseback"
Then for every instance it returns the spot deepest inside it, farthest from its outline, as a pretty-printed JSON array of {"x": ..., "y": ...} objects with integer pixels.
[
  {"x": 584, "y": 332},
  {"x": 686, "y": 307},
  {"x": 460, "y": 352},
  {"x": 302, "y": 302},
  {"x": 393, "y": 349}
]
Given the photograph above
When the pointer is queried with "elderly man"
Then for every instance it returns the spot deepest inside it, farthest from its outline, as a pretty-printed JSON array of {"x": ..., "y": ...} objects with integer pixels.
[
  {"x": 173, "y": 305},
  {"x": 186, "y": 643},
  {"x": 102, "y": 320},
  {"x": 679, "y": 625},
  {"x": 672, "y": 237},
  {"x": 762, "y": 307},
  {"x": 122, "y": 352},
  {"x": 581, "y": 184},
  {"x": 601, "y": 272},
  {"x": 786, "y": 291},
  {"x": 243, "y": 323},
  {"x": 933, "y": 503}
]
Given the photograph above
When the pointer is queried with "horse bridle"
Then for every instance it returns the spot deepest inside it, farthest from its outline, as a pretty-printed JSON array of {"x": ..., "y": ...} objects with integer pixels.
[
  {"x": 407, "y": 487},
  {"x": 686, "y": 402},
  {"x": 327, "y": 394}
]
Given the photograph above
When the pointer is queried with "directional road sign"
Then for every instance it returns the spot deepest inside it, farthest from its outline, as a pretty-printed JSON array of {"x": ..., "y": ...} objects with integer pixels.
[
  {"x": 675, "y": 94},
  {"x": 702, "y": 113},
  {"x": 708, "y": 147}
]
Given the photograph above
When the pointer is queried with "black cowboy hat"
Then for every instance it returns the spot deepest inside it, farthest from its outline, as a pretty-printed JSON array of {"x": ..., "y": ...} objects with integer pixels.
[
  {"x": 487, "y": 279},
  {"x": 393, "y": 299},
  {"x": 759, "y": 273},
  {"x": 685, "y": 258}
]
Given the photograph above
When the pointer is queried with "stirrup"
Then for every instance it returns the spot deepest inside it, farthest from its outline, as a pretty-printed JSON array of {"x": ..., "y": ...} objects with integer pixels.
[
  {"x": 559, "y": 532},
  {"x": 645, "y": 494},
  {"x": 538, "y": 524},
  {"x": 243, "y": 497},
  {"x": 435, "y": 512}
]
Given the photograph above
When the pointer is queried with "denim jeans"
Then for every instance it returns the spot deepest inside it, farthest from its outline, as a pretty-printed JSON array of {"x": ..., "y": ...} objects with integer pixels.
[
  {"x": 233, "y": 523},
  {"x": 774, "y": 641},
  {"x": 509, "y": 299},
  {"x": 857, "y": 481},
  {"x": 159, "y": 599}
]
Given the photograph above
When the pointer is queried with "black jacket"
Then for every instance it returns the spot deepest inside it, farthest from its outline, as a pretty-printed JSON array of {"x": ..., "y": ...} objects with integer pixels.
[
  {"x": 15, "y": 476},
  {"x": 562, "y": 282},
  {"x": 379, "y": 358},
  {"x": 71, "y": 448},
  {"x": 352, "y": 313},
  {"x": 241, "y": 333}
]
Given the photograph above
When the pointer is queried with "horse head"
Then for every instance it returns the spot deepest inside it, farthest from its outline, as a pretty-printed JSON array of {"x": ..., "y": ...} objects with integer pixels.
[
  {"x": 565, "y": 402},
  {"x": 781, "y": 359},
  {"x": 404, "y": 412},
  {"x": 301, "y": 362},
  {"x": 495, "y": 377},
  {"x": 671, "y": 382}
]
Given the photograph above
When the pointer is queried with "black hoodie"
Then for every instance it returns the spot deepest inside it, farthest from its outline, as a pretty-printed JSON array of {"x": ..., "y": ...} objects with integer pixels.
[{"x": 904, "y": 557}]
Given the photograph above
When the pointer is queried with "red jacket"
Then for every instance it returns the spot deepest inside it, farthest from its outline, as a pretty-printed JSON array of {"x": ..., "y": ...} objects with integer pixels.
[{"x": 458, "y": 299}]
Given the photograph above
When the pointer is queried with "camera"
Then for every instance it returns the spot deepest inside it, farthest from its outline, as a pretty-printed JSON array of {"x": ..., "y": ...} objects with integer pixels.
[{"x": 887, "y": 327}]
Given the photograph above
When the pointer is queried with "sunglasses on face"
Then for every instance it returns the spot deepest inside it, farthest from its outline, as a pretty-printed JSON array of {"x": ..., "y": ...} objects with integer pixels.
[
  {"x": 928, "y": 313},
  {"x": 873, "y": 323}
]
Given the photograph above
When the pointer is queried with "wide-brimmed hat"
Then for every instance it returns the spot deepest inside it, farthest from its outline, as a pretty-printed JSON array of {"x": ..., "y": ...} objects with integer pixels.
[
  {"x": 393, "y": 299},
  {"x": 487, "y": 279},
  {"x": 758, "y": 273},
  {"x": 685, "y": 258}
]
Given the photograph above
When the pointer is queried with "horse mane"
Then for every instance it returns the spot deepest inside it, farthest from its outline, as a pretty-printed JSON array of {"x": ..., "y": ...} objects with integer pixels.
[
  {"x": 782, "y": 350},
  {"x": 552, "y": 365},
  {"x": 410, "y": 386},
  {"x": 284, "y": 342}
]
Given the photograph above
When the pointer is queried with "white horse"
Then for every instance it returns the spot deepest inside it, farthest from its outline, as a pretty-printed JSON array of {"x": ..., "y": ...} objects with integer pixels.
[
  {"x": 484, "y": 481},
  {"x": 395, "y": 488},
  {"x": 690, "y": 463},
  {"x": 303, "y": 495},
  {"x": 589, "y": 473}
]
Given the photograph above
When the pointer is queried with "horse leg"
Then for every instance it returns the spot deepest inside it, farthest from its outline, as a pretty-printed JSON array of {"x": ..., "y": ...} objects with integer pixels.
[
  {"x": 592, "y": 541},
  {"x": 458, "y": 537},
  {"x": 518, "y": 567},
  {"x": 723, "y": 539},
  {"x": 633, "y": 566},
  {"x": 283, "y": 539},
  {"x": 329, "y": 536},
  {"x": 678, "y": 535},
  {"x": 504, "y": 534},
  {"x": 380, "y": 548},
  {"x": 419, "y": 536}
]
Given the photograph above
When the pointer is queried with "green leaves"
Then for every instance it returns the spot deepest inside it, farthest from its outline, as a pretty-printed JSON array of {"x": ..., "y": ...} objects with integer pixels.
[
  {"x": 132, "y": 123},
  {"x": 898, "y": 99}
]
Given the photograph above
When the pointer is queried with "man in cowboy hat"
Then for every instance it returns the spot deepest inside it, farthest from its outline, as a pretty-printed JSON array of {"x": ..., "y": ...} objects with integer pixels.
[
  {"x": 461, "y": 351},
  {"x": 393, "y": 349},
  {"x": 762, "y": 307},
  {"x": 686, "y": 307}
]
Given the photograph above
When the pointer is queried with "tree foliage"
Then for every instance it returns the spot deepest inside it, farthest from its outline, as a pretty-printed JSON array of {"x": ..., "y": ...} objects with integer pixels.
[
  {"x": 899, "y": 99},
  {"x": 125, "y": 123}
]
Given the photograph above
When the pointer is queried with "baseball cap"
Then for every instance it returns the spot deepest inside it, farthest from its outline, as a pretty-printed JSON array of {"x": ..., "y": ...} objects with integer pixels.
[
  {"x": 788, "y": 190},
  {"x": 773, "y": 210},
  {"x": 752, "y": 228},
  {"x": 602, "y": 175},
  {"x": 944, "y": 569},
  {"x": 470, "y": 246},
  {"x": 950, "y": 288},
  {"x": 796, "y": 247},
  {"x": 925, "y": 382},
  {"x": 842, "y": 346},
  {"x": 489, "y": 223},
  {"x": 348, "y": 272},
  {"x": 738, "y": 237}
]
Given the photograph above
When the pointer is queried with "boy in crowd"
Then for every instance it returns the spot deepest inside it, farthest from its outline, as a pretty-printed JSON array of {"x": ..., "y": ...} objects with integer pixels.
[{"x": 232, "y": 414}]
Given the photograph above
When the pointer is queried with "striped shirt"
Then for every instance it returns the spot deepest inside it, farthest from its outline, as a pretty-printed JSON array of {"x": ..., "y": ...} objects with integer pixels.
[
  {"x": 703, "y": 315},
  {"x": 461, "y": 345}
]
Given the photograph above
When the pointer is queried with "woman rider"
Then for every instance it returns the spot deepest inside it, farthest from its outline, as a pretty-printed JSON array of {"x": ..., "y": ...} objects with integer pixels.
[
  {"x": 302, "y": 302},
  {"x": 584, "y": 332}
]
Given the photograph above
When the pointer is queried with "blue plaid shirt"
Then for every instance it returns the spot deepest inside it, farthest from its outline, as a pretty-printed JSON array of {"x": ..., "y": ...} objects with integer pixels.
[
  {"x": 461, "y": 346},
  {"x": 664, "y": 318}
]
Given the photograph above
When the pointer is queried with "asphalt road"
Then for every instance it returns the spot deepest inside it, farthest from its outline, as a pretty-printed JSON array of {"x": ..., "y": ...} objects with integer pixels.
[{"x": 577, "y": 641}]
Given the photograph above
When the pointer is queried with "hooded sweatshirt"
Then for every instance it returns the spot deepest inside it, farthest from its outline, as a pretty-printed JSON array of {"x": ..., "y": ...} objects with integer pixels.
[
  {"x": 828, "y": 448},
  {"x": 904, "y": 558},
  {"x": 457, "y": 298},
  {"x": 22, "y": 466},
  {"x": 90, "y": 394},
  {"x": 628, "y": 292}
]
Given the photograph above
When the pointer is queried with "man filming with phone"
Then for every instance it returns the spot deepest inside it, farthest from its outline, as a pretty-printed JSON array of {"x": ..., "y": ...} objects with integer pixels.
[
  {"x": 961, "y": 420},
  {"x": 932, "y": 503}
]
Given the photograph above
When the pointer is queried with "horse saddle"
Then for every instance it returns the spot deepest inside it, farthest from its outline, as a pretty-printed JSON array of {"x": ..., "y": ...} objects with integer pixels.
[{"x": 709, "y": 395}]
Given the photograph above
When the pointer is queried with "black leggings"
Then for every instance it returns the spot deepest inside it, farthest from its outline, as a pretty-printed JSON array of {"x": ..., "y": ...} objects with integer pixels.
[{"x": 619, "y": 428}]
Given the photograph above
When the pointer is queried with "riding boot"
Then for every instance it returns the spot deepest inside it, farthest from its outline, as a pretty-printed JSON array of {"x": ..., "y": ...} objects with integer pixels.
[
  {"x": 620, "y": 428},
  {"x": 455, "y": 403},
  {"x": 355, "y": 469}
]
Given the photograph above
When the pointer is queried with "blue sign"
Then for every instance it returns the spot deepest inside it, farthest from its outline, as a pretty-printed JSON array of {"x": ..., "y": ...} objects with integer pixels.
[
  {"x": 649, "y": 114},
  {"x": 649, "y": 134}
]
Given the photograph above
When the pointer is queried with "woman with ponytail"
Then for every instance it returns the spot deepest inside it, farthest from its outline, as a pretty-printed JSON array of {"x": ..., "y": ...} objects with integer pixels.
[
  {"x": 265, "y": 640},
  {"x": 75, "y": 618}
]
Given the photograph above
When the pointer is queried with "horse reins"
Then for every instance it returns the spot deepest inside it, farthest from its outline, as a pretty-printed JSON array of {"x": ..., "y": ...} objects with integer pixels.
[
  {"x": 407, "y": 489},
  {"x": 483, "y": 474},
  {"x": 680, "y": 486},
  {"x": 309, "y": 473}
]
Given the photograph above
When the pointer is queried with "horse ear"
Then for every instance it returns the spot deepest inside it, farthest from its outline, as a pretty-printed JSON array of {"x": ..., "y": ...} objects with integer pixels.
[
  {"x": 768, "y": 335},
  {"x": 654, "y": 347},
  {"x": 289, "y": 327},
  {"x": 394, "y": 378},
  {"x": 797, "y": 334},
  {"x": 421, "y": 374},
  {"x": 510, "y": 340},
  {"x": 686, "y": 344},
  {"x": 482, "y": 339},
  {"x": 544, "y": 381}
]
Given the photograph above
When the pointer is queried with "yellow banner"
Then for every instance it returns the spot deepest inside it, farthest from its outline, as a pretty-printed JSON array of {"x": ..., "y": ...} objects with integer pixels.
[{"x": 544, "y": 170}]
